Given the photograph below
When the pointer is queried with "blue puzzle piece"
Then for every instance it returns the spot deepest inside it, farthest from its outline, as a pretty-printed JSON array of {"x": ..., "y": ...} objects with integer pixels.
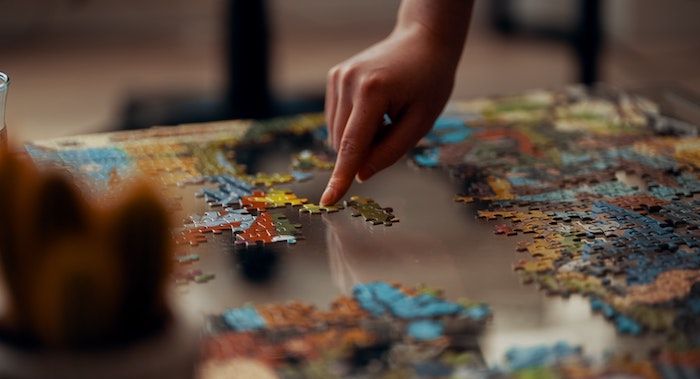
[
  {"x": 425, "y": 330},
  {"x": 428, "y": 158},
  {"x": 243, "y": 319}
]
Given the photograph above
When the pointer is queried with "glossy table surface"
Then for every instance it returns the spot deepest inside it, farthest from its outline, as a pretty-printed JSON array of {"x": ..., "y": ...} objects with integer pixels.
[{"x": 438, "y": 242}]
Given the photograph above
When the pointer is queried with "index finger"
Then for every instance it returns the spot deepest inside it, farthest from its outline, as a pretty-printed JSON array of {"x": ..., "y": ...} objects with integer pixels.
[{"x": 354, "y": 147}]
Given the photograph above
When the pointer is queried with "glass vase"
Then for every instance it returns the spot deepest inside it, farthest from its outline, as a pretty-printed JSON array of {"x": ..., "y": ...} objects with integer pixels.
[{"x": 4, "y": 86}]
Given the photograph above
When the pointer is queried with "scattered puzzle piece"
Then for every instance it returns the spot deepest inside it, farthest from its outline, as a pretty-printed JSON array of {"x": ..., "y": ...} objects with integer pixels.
[
  {"x": 188, "y": 258},
  {"x": 285, "y": 228},
  {"x": 274, "y": 198},
  {"x": 371, "y": 211},
  {"x": 308, "y": 160},
  {"x": 269, "y": 180},
  {"x": 318, "y": 209},
  {"x": 230, "y": 190}
]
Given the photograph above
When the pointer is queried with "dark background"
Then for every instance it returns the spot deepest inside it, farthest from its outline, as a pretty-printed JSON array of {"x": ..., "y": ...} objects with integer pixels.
[{"x": 87, "y": 65}]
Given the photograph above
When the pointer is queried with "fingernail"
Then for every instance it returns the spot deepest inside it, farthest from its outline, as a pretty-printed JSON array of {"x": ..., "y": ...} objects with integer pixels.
[{"x": 357, "y": 179}]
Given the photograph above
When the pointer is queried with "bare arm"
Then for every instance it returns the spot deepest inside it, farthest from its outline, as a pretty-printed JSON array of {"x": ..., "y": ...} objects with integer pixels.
[{"x": 409, "y": 76}]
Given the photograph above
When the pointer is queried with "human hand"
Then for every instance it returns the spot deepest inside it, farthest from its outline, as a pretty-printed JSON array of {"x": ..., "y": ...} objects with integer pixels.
[{"x": 408, "y": 76}]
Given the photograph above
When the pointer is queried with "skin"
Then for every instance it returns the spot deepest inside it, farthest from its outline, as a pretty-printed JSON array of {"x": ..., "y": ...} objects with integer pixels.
[{"x": 408, "y": 76}]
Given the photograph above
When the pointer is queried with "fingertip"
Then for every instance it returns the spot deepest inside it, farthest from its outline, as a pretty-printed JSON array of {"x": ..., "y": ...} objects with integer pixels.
[{"x": 328, "y": 197}]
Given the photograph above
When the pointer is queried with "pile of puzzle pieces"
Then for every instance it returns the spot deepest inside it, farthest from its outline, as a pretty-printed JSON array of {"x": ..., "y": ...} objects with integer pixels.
[
  {"x": 203, "y": 155},
  {"x": 378, "y": 319},
  {"x": 252, "y": 222},
  {"x": 548, "y": 164},
  {"x": 562, "y": 360}
]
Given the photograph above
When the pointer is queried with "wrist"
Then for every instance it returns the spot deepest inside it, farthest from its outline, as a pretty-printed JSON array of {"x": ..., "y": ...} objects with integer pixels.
[
  {"x": 441, "y": 47},
  {"x": 441, "y": 24}
]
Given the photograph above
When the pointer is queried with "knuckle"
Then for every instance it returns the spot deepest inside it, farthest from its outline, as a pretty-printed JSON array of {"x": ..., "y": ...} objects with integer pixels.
[
  {"x": 348, "y": 75},
  {"x": 348, "y": 147},
  {"x": 372, "y": 83},
  {"x": 333, "y": 73}
]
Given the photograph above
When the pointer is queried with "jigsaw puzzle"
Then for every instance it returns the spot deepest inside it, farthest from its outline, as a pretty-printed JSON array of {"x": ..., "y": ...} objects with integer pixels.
[
  {"x": 548, "y": 164},
  {"x": 607, "y": 205}
]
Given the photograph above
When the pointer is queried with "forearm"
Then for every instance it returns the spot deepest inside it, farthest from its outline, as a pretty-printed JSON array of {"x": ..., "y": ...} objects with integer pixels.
[{"x": 446, "y": 22}]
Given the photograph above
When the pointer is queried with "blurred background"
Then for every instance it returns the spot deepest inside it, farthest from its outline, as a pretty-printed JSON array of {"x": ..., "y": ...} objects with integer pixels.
[{"x": 86, "y": 65}]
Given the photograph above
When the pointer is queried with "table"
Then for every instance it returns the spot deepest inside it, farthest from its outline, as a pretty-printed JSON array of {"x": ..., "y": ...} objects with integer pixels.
[{"x": 437, "y": 242}]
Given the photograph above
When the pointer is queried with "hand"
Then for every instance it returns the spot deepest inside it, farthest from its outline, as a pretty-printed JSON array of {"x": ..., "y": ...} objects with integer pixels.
[{"x": 408, "y": 76}]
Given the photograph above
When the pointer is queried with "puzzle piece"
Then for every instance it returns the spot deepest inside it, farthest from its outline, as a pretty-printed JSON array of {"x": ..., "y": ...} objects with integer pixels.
[
  {"x": 464, "y": 199},
  {"x": 308, "y": 160},
  {"x": 256, "y": 201},
  {"x": 190, "y": 237},
  {"x": 318, "y": 209},
  {"x": 274, "y": 198},
  {"x": 371, "y": 211},
  {"x": 204, "y": 278},
  {"x": 301, "y": 176},
  {"x": 269, "y": 180},
  {"x": 286, "y": 228},
  {"x": 216, "y": 222},
  {"x": 265, "y": 231},
  {"x": 230, "y": 190},
  {"x": 280, "y": 198},
  {"x": 192, "y": 276},
  {"x": 262, "y": 231},
  {"x": 188, "y": 258}
]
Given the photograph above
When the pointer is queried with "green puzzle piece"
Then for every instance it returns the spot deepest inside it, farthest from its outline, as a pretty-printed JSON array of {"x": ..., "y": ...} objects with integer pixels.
[
  {"x": 371, "y": 211},
  {"x": 318, "y": 209}
]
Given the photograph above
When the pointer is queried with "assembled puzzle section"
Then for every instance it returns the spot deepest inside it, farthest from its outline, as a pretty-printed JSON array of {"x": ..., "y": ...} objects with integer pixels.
[
  {"x": 546, "y": 164},
  {"x": 359, "y": 335},
  {"x": 386, "y": 330},
  {"x": 177, "y": 155},
  {"x": 561, "y": 360}
]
